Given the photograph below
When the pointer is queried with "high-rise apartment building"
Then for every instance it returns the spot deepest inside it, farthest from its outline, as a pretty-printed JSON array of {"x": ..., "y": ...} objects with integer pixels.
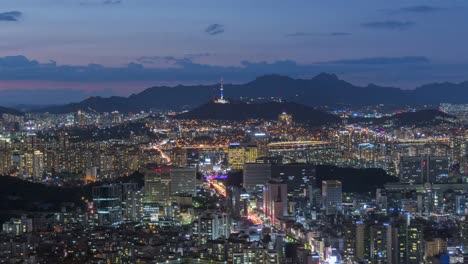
[
  {"x": 210, "y": 226},
  {"x": 415, "y": 244},
  {"x": 380, "y": 244}
]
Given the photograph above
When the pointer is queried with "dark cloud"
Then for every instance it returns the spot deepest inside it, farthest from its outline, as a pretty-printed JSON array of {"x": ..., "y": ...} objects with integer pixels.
[
  {"x": 383, "y": 60},
  {"x": 198, "y": 55},
  {"x": 167, "y": 61},
  {"x": 20, "y": 68},
  {"x": 418, "y": 9},
  {"x": 389, "y": 24},
  {"x": 112, "y": 2},
  {"x": 214, "y": 29},
  {"x": 102, "y": 2},
  {"x": 299, "y": 34},
  {"x": 10, "y": 16},
  {"x": 340, "y": 34},
  {"x": 155, "y": 59},
  {"x": 305, "y": 34}
]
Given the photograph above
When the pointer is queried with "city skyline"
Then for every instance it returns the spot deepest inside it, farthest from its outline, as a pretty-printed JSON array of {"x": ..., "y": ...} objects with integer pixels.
[{"x": 246, "y": 132}]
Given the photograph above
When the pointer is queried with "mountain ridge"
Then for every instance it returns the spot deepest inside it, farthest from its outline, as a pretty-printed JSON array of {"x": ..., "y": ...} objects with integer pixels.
[
  {"x": 422, "y": 117},
  {"x": 269, "y": 111},
  {"x": 323, "y": 89},
  {"x": 11, "y": 111}
]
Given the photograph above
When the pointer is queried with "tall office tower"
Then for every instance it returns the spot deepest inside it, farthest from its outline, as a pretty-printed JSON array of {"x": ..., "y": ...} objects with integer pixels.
[
  {"x": 183, "y": 180},
  {"x": 107, "y": 200},
  {"x": 275, "y": 200},
  {"x": 132, "y": 198},
  {"x": 412, "y": 169},
  {"x": 415, "y": 244},
  {"x": 210, "y": 226},
  {"x": 236, "y": 156},
  {"x": 234, "y": 203},
  {"x": 255, "y": 175},
  {"x": 298, "y": 176},
  {"x": 332, "y": 197},
  {"x": 250, "y": 153},
  {"x": 438, "y": 169},
  {"x": 421, "y": 169},
  {"x": 157, "y": 184},
  {"x": 38, "y": 165},
  {"x": 314, "y": 195},
  {"x": 381, "y": 244}
]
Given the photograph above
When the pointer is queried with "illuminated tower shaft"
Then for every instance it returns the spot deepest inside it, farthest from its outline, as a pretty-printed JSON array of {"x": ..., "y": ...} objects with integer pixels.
[{"x": 221, "y": 90}]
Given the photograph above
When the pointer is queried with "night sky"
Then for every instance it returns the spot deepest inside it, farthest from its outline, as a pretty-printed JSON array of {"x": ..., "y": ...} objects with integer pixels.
[{"x": 64, "y": 50}]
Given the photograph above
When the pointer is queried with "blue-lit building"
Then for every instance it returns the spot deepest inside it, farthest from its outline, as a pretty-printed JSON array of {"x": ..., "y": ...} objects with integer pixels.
[{"x": 107, "y": 200}]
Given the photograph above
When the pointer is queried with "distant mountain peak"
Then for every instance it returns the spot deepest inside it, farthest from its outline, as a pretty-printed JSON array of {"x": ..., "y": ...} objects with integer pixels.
[
  {"x": 92, "y": 99},
  {"x": 326, "y": 77}
]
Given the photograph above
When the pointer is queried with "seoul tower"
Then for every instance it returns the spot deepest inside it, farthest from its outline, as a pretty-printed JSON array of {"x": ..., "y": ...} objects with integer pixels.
[
  {"x": 221, "y": 94},
  {"x": 221, "y": 90}
]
